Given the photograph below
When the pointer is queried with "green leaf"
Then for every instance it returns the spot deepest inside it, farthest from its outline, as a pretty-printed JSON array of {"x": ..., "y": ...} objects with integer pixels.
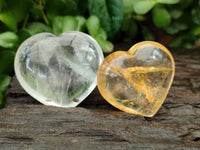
[
  {"x": 129, "y": 26},
  {"x": 36, "y": 12},
  {"x": 139, "y": 17},
  {"x": 196, "y": 15},
  {"x": 172, "y": 29},
  {"x": 195, "y": 31},
  {"x": 57, "y": 25},
  {"x": 143, "y": 6},
  {"x": 37, "y": 27},
  {"x": 4, "y": 82},
  {"x": 168, "y": 1},
  {"x": 6, "y": 61},
  {"x": 8, "y": 39},
  {"x": 176, "y": 13},
  {"x": 110, "y": 13},
  {"x": 116, "y": 11},
  {"x": 23, "y": 35},
  {"x": 99, "y": 8},
  {"x": 177, "y": 42},
  {"x": 128, "y": 6},
  {"x": 69, "y": 24},
  {"x": 81, "y": 23},
  {"x": 188, "y": 45},
  {"x": 106, "y": 46},
  {"x": 19, "y": 8},
  {"x": 1, "y": 4},
  {"x": 176, "y": 26},
  {"x": 101, "y": 34},
  {"x": 1, "y": 100},
  {"x": 9, "y": 20},
  {"x": 181, "y": 25},
  {"x": 161, "y": 17},
  {"x": 93, "y": 25}
]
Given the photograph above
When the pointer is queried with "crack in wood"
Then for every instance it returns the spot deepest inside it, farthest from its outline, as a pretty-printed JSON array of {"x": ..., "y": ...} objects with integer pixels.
[
  {"x": 197, "y": 105},
  {"x": 196, "y": 139},
  {"x": 98, "y": 134},
  {"x": 18, "y": 138}
]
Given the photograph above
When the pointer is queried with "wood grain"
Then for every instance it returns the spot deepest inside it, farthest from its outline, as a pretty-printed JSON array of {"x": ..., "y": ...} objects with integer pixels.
[{"x": 94, "y": 124}]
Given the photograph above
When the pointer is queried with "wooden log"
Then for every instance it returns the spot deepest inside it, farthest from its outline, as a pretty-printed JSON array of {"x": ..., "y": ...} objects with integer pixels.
[{"x": 94, "y": 124}]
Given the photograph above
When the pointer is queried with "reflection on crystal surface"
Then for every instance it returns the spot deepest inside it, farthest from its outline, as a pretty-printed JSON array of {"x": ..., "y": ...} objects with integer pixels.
[
  {"x": 58, "y": 70},
  {"x": 137, "y": 81}
]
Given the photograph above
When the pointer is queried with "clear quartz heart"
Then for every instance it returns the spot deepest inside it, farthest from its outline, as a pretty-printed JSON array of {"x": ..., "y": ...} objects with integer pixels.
[
  {"x": 137, "y": 81},
  {"x": 58, "y": 70}
]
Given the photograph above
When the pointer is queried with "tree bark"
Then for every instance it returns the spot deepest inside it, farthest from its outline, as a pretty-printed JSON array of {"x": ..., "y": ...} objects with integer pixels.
[{"x": 95, "y": 124}]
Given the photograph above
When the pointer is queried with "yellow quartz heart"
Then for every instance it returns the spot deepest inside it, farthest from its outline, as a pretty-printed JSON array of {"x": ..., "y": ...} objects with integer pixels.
[{"x": 137, "y": 81}]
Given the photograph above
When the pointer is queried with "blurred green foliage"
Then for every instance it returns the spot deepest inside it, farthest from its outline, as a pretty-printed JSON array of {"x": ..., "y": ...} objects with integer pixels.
[
  {"x": 178, "y": 19},
  {"x": 105, "y": 20}
]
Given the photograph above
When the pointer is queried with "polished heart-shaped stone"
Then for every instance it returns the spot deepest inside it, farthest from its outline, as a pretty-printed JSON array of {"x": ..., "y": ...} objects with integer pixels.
[
  {"x": 137, "y": 81},
  {"x": 58, "y": 70}
]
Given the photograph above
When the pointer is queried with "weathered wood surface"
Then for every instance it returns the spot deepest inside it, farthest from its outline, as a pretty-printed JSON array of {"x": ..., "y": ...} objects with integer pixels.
[{"x": 94, "y": 124}]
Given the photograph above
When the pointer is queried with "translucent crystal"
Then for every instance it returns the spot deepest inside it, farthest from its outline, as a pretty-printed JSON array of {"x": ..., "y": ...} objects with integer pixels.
[
  {"x": 137, "y": 81},
  {"x": 58, "y": 70}
]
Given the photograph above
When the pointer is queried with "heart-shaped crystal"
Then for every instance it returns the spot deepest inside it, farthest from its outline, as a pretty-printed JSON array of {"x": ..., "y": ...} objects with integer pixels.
[
  {"x": 137, "y": 81},
  {"x": 58, "y": 70}
]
